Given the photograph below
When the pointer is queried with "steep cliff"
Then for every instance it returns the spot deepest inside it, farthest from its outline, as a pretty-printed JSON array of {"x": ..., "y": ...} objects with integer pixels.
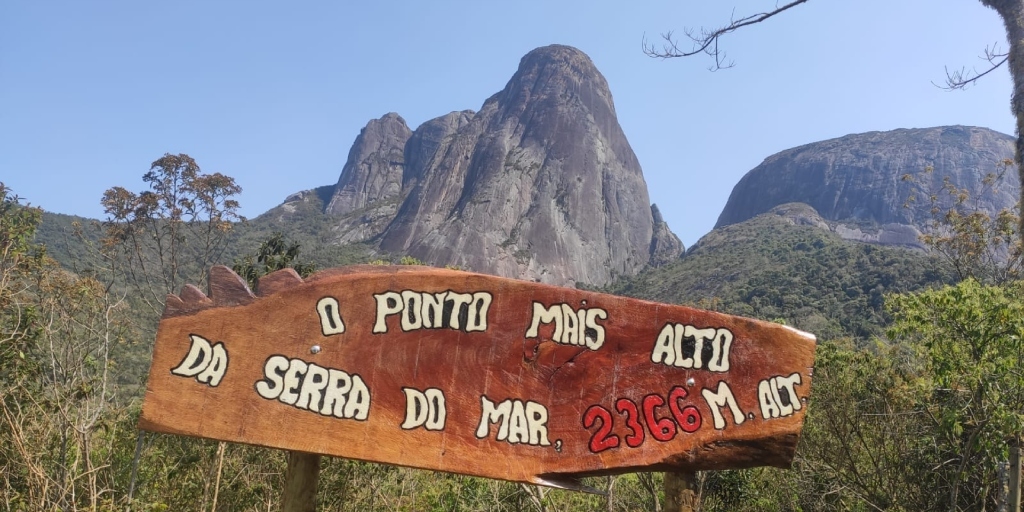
[
  {"x": 369, "y": 189},
  {"x": 539, "y": 184}
]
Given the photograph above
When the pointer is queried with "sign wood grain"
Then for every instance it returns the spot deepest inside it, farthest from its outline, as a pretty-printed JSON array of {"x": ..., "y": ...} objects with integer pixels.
[{"x": 475, "y": 374}]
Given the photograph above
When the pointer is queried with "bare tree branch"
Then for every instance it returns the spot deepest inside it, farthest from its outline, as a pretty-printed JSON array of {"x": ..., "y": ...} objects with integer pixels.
[
  {"x": 962, "y": 78},
  {"x": 706, "y": 41}
]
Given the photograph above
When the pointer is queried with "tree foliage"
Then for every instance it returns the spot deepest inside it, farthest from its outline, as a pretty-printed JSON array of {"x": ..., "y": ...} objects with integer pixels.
[
  {"x": 916, "y": 422},
  {"x": 56, "y": 391},
  {"x": 19, "y": 258},
  {"x": 915, "y": 417},
  {"x": 971, "y": 340},
  {"x": 867, "y": 443},
  {"x": 974, "y": 242},
  {"x": 176, "y": 228},
  {"x": 274, "y": 253},
  {"x": 769, "y": 268}
]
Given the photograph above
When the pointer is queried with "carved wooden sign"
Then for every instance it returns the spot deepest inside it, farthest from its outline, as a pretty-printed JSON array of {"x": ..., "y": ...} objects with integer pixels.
[{"x": 475, "y": 374}]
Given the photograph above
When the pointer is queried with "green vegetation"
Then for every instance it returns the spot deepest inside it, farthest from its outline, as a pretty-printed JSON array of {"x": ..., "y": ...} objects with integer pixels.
[
  {"x": 811, "y": 279},
  {"x": 918, "y": 385},
  {"x": 274, "y": 253},
  {"x": 972, "y": 242},
  {"x": 916, "y": 423},
  {"x": 58, "y": 399},
  {"x": 305, "y": 225},
  {"x": 970, "y": 339},
  {"x": 177, "y": 228}
]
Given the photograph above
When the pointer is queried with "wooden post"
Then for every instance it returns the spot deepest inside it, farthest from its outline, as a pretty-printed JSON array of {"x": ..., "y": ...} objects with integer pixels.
[
  {"x": 681, "y": 492},
  {"x": 300, "y": 481}
]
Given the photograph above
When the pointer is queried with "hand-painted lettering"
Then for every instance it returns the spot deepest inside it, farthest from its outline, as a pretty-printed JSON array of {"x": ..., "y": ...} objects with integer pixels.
[
  {"x": 603, "y": 437},
  {"x": 422, "y": 310},
  {"x": 777, "y": 396},
  {"x": 571, "y": 327},
  {"x": 661, "y": 429},
  {"x": 627, "y": 407},
  {"x": 686, "y": 418},
  {"x": 424, "y": 409},
  {"x": 330, "y": 316},
  {"x": 207, "y": 363},
  {"x": 388, "y": 303},
  {"x": 518, "y": 421},
  {"x": 310, "y": 387},
  {"x": 720, "y": 398},
  {"x": 686, "y": 346}
]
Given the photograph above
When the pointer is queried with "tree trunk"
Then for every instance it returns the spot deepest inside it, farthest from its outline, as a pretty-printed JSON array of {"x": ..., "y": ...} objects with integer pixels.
[
  {"x": 1013, "y": 501},
  {"x": 1012, "y": 12}
]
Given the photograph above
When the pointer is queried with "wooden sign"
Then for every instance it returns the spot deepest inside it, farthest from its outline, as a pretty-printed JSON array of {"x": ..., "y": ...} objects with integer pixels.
[{"x": 475, "y": 374}]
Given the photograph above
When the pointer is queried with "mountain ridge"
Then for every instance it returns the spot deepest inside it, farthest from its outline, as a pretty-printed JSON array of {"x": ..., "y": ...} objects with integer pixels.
[
  {"x": 875, "y": 186},
  {"x": 540, "y": 183}
]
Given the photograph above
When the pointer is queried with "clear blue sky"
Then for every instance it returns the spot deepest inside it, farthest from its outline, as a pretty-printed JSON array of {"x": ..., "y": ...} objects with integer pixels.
[{"x": 273, "y": 93}]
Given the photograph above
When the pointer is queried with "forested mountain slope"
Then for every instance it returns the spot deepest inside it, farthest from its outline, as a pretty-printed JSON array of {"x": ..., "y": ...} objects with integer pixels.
[{"x": 775, "y": 267}]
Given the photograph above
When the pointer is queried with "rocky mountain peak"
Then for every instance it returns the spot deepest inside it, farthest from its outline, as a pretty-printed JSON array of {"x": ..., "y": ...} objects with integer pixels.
[
  {"x": 875, "y": 186},
  {"x": 557, "y": 74},
  {"x": 539, "y": 184},
  {"x": 373, "y": 171},
  {"x": 370, "y": 185},
  {"x": 665, "y": 245},
  {"x": 558, "y": 54}
]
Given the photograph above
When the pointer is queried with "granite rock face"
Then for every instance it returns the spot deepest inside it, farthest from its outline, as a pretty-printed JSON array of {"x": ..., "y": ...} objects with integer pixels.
[
  {"x": 873, "y": 187},
  {"x": 369, "y": 189},
  {"x": 665, "y": 245},
  {"x": 802, "y": 214},
  {"x": 539, "y": 184}
]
